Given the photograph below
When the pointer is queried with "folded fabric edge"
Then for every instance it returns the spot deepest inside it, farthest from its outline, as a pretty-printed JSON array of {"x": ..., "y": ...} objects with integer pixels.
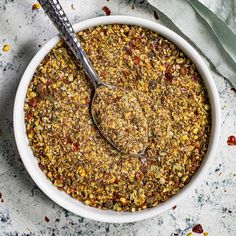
[{"x": 219, "y": 28}]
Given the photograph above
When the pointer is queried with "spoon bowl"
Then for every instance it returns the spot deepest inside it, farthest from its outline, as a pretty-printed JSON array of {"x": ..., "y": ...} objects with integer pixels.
[{"x": 120, "y": 119}]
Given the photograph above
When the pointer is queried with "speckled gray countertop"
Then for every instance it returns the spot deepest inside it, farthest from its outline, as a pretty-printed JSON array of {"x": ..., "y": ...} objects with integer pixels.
[{"x": 23, "y": 206}]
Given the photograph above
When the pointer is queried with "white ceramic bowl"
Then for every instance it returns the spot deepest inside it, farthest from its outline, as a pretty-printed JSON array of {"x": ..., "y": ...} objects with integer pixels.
[{"x": 61, "y": 197}]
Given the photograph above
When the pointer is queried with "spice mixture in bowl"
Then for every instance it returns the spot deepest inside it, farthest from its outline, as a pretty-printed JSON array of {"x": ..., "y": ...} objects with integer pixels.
[
  {"x": 74, "y": 155},
  {"x": 170, "y": 85}
]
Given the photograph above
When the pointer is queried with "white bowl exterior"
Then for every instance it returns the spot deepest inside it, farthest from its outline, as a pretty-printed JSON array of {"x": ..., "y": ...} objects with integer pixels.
[{"x": 64, "y": 199}]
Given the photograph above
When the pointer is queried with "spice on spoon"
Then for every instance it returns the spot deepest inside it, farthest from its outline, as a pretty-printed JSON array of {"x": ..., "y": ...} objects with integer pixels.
[{"x": 120, "y": 118}]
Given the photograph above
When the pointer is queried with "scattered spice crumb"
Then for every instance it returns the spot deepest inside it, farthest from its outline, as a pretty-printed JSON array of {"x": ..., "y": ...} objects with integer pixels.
[
  {"x": 198, "y": 229},
  {"x": 36, "y": 6},
  {"x": 45, "y": 40},
  {"x": 46, "y": 219},
  {"x": 174, "y": 207},
  {"x": 156, "y": 16},
  {"x": 57, "y": 220},
  {"x": 73, "y": 7},
  {"x": 2, "y": 200},
  {"x": 231, "y": 140},
  {"x": 0, "y": 195},
  {"x": 6, "y": 48},
  {"x": 106, "y": 10},
  {"x": 4, "y": 69},
  {"x": 132, "y": 6},
  {"x": 39, "y": 45},
  {"x": 233, "y": 89}
]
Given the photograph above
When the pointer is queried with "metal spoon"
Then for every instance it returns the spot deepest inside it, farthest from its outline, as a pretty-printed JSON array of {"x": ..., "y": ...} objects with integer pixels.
[{"x": 57, "y": 15}]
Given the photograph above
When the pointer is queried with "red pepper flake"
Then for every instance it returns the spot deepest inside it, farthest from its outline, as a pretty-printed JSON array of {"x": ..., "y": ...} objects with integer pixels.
[
  {"x": 168, "y": 76},
  {"x": 103, "y": 74},
  {"x": 196, "y": 77},
  {"x": 183, "y": 70},
  {"x": 67, "y": 140},
  {"x": 156, "y": 16},
  {"x": 74, "y": 147},
  {"x": 42, "y": 167},
  {"x": 104, "y": 30},
  {"x": 164, "y": 45},
  {"x": 116, "y": 196},
  {"x": 169, "y": 68},
  {"x": 198, "y": 229},
  {"x": 126, "y": 73},
  {"x": 106, "y": 10},
  {"x": 136, "y": 60},
  {"x": 46, "y": 219},
  {"x": 28, "y": 116},
  {"x": 135, "y": 42},
  {"x": 231, "y": 140},
  {"x": 32, "y": 102},
  {"x": 139, "y": 175},
  {"x": 128, "y": 50},
  {"x": 48, "y": 82}
]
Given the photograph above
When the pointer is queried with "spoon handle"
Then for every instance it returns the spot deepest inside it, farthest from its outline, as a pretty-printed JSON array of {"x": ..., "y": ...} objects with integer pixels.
[{"x": 57, "y": 15}]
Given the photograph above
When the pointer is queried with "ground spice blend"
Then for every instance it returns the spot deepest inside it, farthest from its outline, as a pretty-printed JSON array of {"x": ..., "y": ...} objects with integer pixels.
[{"x": 70, "y": 150}]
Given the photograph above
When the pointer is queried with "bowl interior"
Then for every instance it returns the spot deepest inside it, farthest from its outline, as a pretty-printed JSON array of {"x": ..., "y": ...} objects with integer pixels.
[{"x": 61, "y": 197}]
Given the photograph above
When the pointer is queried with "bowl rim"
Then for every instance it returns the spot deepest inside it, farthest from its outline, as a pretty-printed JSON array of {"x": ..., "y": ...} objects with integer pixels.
[{"x": 63, "y": 199}]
